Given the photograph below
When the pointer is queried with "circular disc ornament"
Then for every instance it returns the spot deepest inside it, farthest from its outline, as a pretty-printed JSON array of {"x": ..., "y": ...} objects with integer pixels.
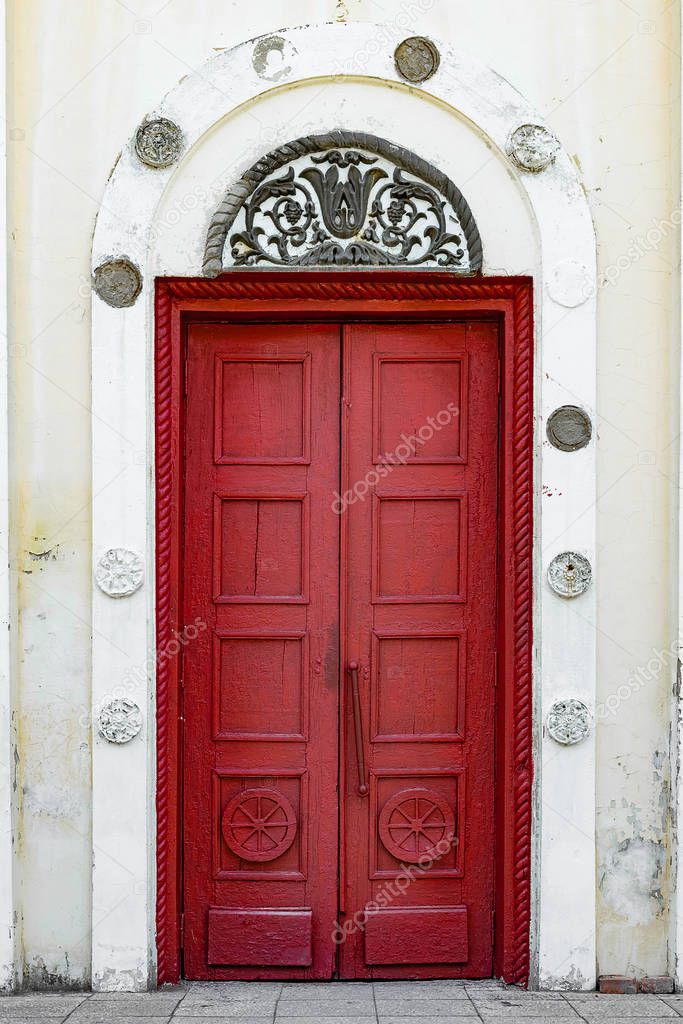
[
  {"x": 569, "y": 574},
  {"x": 569, "y": 428},
  {"x": 119, "y": 721},
  {"x": 417, "y": 59},
  {"x": 532, "y": 147},
  {"x": 414, "y": 822},
  {"x": 259, "y": 824},
  {"x": 569, "y": 721},
  {"x": 158, "y": 143},
  {"x": 119, "y": 572},
  {"x": 570, "y": 284},
  {"x": 117, "y": 282}
]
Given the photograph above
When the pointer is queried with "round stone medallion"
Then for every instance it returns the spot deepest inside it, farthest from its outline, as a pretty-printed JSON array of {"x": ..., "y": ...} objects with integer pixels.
[
  {"x": 158, "y": 143},
  {"x": 569, "y": 284},
  {"x": 417, "y": 59},
  {"x": 273, "y": 58},
  {"x": 569, "y": 428},
  {"x": 119, "y": 721},
  {"x": 413, "y": 824},
  {"x": 119, "y": 572},
  {"x": 569, "y": 574},
  {"x": 532, "y": 147},
  {"x": 569, "y": 721},
  {"x": 117, "y": 282},
  {"x": 259, "y": 824}
]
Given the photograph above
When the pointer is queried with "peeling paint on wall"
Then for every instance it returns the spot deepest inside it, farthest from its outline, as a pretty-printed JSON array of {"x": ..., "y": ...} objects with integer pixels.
[
  {"x": 631, "y": 880},
  {"x": 38, "y": 978}
]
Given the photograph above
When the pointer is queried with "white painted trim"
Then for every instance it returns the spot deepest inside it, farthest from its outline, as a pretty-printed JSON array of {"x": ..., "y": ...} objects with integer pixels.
[
  {"x": 563, "y": 882},
  {"x": 676, "y": 732},
  {"x": 8, "y": 967}
]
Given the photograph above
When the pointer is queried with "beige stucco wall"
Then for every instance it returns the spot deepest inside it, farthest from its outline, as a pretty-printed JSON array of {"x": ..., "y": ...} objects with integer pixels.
[{"x": 82, "y": 75}]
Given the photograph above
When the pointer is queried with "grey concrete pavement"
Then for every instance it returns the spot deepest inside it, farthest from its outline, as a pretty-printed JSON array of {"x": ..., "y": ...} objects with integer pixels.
[{"x": 382, "y": 1002}]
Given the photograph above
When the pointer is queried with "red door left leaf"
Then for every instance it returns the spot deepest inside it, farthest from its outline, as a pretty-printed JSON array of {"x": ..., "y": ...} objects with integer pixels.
[{"x": 261, "y": 568}]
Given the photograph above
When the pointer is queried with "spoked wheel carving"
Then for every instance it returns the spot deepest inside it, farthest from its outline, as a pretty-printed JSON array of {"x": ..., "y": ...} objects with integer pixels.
[
  {"x": 416, "y": 823},
  {"x": 259, "y": 824}
]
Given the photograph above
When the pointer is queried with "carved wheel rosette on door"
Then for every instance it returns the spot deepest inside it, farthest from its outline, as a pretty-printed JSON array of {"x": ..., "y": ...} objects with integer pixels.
[
  {"x": 417, "y": 825},
  {"x": 259, "y": 825}
]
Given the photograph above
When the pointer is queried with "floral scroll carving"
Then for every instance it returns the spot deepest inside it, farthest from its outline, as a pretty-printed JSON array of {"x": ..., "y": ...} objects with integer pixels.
[{"x": 343, "y": 199}]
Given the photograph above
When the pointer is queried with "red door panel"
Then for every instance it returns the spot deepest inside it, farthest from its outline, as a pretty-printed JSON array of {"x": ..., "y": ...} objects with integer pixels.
[
  {"x": 419, "y": 534},
  {"x": 298, "y": 493},
  {"x": 260, "y": 693}
]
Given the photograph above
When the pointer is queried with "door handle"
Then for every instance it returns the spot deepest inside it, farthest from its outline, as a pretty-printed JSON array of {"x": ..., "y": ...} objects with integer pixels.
[{"x": 358, "y": 728}]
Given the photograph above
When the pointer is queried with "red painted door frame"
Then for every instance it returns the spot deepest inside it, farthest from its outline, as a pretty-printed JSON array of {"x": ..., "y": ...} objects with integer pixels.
[{"x": 361, "y": 296}]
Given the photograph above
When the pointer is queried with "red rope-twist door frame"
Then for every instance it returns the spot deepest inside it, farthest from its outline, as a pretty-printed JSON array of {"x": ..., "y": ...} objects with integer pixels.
[{"x": 366, "y": 295}]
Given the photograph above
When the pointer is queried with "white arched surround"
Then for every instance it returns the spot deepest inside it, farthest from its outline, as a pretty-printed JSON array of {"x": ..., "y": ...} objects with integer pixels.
[{"x": 232, "y": 111}]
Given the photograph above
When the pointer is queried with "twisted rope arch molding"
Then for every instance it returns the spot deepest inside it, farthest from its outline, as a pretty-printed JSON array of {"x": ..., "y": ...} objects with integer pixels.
[{"x": 243, "y": 295}]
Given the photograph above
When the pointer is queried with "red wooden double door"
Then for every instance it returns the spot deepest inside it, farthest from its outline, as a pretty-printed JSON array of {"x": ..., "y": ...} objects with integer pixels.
[{"x": 340, "y": 550}]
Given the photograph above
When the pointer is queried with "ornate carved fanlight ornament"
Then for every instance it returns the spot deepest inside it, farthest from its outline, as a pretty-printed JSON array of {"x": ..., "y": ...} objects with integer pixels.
[{"x": 343, "y": 199}]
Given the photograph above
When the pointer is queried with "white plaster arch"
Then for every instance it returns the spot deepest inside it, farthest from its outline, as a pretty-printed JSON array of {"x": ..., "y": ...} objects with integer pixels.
[{"x": 563, "y": 882}]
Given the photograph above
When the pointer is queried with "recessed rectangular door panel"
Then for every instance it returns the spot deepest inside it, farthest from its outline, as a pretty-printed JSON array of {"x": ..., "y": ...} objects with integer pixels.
[
  {"x": 275, "y": 938},
  {"x": 413, "y": 935},
  {"x": 419, "y": 481},
  {"x": 261, "y": 681}
]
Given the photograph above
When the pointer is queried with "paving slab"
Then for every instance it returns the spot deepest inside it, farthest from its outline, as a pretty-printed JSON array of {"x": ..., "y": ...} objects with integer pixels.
[
  {"x": 388, "y": 1006},
  {"x": 43, "y": 1005},
  {"x": 594, "y": 1006},
  {"x": 165, "y": 992},
  {"x": 421, "y": 989},
  {"x": 512, "y": 994},
  {"x": 525, "y": 1006},
  {"x": 330, "y": 1006},
  {"x": 5, "y": 1019},
  {"x": 675, "y": 1000},
  {"x": 128, "y": 1004},
  {"x": 433, "y": 1020},
  {"x": 211, "y": 990},
  {"x": 324, "y": 1020},
  {"x": 323, "y": 989},
  {"x": 228, "y": 1007},
  {"x": 232, "y": 1020},
  {"x": 513, "y": 1017},
  {"x": 105, "y": 1017},
  {"x": 41, "y": 1000},
  {"x": 229, "y": 1020}
]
